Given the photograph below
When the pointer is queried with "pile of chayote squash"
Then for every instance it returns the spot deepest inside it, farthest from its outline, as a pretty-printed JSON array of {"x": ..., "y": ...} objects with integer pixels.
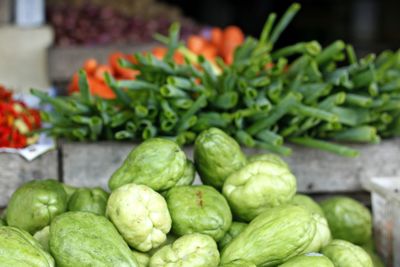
[{"x": 246, "y": 214}]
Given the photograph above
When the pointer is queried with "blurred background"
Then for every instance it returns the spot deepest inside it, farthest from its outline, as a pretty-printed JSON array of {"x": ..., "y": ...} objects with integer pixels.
[{"x": 57, "y": 35}]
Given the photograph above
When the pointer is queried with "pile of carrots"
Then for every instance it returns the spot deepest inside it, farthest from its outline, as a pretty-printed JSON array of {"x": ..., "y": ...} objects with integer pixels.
[{"x": 220, "y": 43}]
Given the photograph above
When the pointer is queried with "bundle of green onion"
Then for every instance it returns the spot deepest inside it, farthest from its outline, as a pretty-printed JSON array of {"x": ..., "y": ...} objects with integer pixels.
[{"x": 300, "y": 93}]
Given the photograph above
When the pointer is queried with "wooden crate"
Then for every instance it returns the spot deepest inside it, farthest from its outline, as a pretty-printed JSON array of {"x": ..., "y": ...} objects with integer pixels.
[
  {"x": 15, "y": 171},
  {"x": 317, "y": 172}
]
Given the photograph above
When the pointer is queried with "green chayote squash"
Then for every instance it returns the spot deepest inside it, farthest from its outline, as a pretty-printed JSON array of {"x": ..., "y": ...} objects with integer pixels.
[
  {"x": 273, "y": 237},
  {"x": 322, "y": 235},
  {"x": 70, "y": 190},
  {"x": 376, "y": 260},
  {"x": 192, "y": 250},
  {"x": 348, "y": 219},
  {"x": 170, "y": 239},
  {"x": 188, "y": 175},
  {"x": 141, "y": 216},
  {"x": 268, "y": 157},
  {"x": 33, "y": 205},
  {"x": 257, "y": 186},
  {"x": 233, "y": 231},
  {"x": 89, "y": 199},
  {"x": 158, "y": 163},
  {"x": 43, "y": 236},
  {"x": 19, "y": 249},
  {"x": 198, "y": 209},
  {"x": 216, "y": 156},
  {"x": 308, "y": 203},
  {"x": 308, "y": 260},
  {"x": 345, "y": 254},
  {"x": 238, "y": 263},
  {"x": 79, "y": 238},
  {"x": 142, "y": 258}
]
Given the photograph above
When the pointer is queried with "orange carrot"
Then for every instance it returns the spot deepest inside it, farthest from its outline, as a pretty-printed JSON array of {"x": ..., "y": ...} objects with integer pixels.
[
  {"x": 101, "y": 70},
  {"x": 73, "y": 86},
  {"x": 119, "y": 71},
  {"x": 233, "y": 34},
  {"x": 216, "y": 36},
  {"x": 179, "y": 58},
  {"x": 90, "y": 66},
  {"x": 209, "y": 52},
  {"x": 196, "y": 43},
  {"x": 159, "y": 52},
  {"x": 100, "y": 89}
]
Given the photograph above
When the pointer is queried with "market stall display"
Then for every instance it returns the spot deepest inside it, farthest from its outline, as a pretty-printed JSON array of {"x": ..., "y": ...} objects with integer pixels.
[
  {"x": 302, "y": 94},
  {"x": 197, "y": 217}
]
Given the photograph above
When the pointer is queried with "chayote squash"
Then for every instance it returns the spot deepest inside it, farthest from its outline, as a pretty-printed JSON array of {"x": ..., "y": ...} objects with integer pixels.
[
  {"x": 158, "y": 163},
  {"x": 345, "y": 254},
  {"x": 33, "y": 205},
  {"x": 376, "y": 260},
  {"x": 142, "y": 258},
  {"x": 238, "y": 263},
  {"x": 19, "y": 249},
  {"x": 257, "y": 186},
  {"x": 198, "y": 209},
  {"x": 70, "y": 190},
  {"x": 308, "y": 203},
  {"x": 192, "y": 250},
  {"x": 348, "y": 219},
  {"x": 273, "y": 237},
  {"x": 322, "y": 235},
  {"x": 188, "y": 175},
  {"x": 141, "y": 216},
  {"x": 79, "y": 238},
  {"x": 309, "y": 260},
  {"x": 43, "y": 236},
  {"x": 90, "y": 200},
  {"x": 268, "y": 157},
  {"x": 216, "y": 156},
  {"x": 233, "y": 231}
]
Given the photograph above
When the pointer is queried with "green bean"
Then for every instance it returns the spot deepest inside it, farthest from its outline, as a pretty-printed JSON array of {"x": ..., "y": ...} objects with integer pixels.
[
  {"x": 267, "y": 29},
  {"x": 357, "y": 134},
  {"x": 315, "y": 113},
  {"x": 281, "y": 150},
  {"x": 270, "y": 137},
  {"x": 311, "y": 48},
  {"x": 326, "y": 146},
  {"x": 283, "y": 22},
  {"x": 358, "y": 100},
  {"x": 244, "y": 138},
  {"x": 276, "y": 113},
  {"x": 226, "y": 100},
  {"x": 330, "y": 52},
  {"x": 172, "y": 91}
]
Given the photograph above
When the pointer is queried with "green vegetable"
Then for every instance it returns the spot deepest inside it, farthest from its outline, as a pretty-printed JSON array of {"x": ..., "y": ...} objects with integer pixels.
[
  {"x": 89, "y": 199},
  {"x": 142, "y": 258},
  {"x": 216, "y": 156},
  {"x": 307, "y": 203},
  {"x": 322, "y": 235},
  {"x": 42, "y": 237},
  {"x": 157, "y": 163},
  {"x": 141, "y": 216},
  {"x": 273, "y": 237},
  {"x": 348, "y": 219},
  {"x": 198, "y": 209},
  {"x": 258, "y": 186},
  {"x": 376, "y": 260},
  {"x": 70, "y": 190},
  {"x": 192, "y": 250},
  {"x": 18, "y": 248},
  {"x": 34, "y": 205},
  {"x": 346, "y": 254},
  {"x": 188, "y": 175},
  {"x": 238, "y": 263},
  {"x": 80, "y": 238},
  {"x": 268, "y": 157},
  {"x": 235, "y": 229},
  {"x": 307, "y": 260}
]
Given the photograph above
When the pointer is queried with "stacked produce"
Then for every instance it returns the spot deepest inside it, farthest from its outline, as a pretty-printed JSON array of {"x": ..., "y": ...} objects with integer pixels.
[
  {"x": 303, "y": 93},
  {"x": 246, "y": 213},
  {"x": 17, "y": 121}
]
